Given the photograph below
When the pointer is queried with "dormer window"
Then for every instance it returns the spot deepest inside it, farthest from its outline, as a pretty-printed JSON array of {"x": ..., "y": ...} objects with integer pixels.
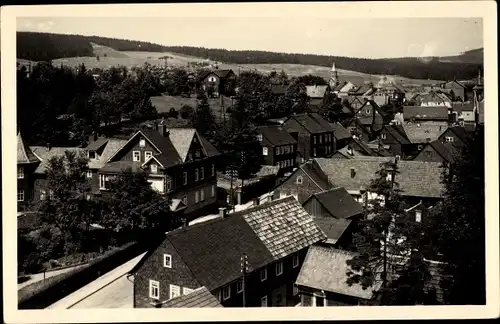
[
  {"x": 383, "y": 136},
  {"x": 259, "y": 137},
  {"x": 299, "y": 180}
]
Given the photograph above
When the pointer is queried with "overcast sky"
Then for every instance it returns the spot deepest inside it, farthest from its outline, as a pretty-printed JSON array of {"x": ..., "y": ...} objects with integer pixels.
[{"x": 370, "y": 38}]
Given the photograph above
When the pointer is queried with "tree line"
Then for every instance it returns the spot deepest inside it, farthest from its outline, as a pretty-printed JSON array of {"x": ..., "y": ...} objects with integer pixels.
[{"x": 44, "y": 47}]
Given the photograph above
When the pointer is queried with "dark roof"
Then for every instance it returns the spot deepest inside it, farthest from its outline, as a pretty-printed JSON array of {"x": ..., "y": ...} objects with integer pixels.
[
  {"x": 338, "y": 203},
  {"x": 265, "y": 233},
  {"x": 24, "y": 153},
  {"x": 316, "y": 91},
  {"x": 415, "y": 178},
  {"x": 364, "y": 146},
  {"x": 462, "y": 106},
  {"x": 316, "y": 175},
  {"x": 45, "y": 154},
  {"x": 398, "y": 132},
  {"x": 219, "y": 73},
  {"x": 311, "y": 125},
  {"x": 321, "y": 121},
  {"x": 315, "y": 103},
  {"x": 333, "y": 227},
  {"x": 361, "y": 90},
  {"x": 277, "y": 135},
  {"x": 199, "y": 298},
  {"x": 96, "y": 145},
  {"x": 461, "y": 133},
  {"x": 424, "y": 132},
  {"x": 425, "y": 112},
  {"x": 278, "y": 89},
  {"x": 325, "y": 268},
  {"x": 339, "y": 131},
  {"x": 439, "y": 147}
]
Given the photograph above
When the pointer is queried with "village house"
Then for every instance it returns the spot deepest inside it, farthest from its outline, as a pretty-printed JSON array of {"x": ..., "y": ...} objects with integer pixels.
[
  {"x": 238, "y": 254},
  {"x": 279, "y": 148},
  {"x": 435, "y": 151},
  {"x": 454, "y": 139},
  {"x": 345, "y": 89},
  {"x": 353, "y": 103},
  {"x": 27, "y": 163},
  {"x": 218, "y": 81},
  {"x": 336, "y": 213},
  {"x": 435, "y": 98},
  {"x": 322, "y": 280},
  {"x": 360, "y": 130},
  {"x": 316, "y": 94},
  {"x": 371, "y": 116},
  {"x": 341, "y": 136},
  {"x": 313, "y": 134},
  {"x": 464, "y": 113},
  {"x": 363, "y": 90},
  {"x": 305, "y": 181},
  {"x": 417, "y": 180},
  {"x": 458, "y": 90},
  {"x": 421, "y": 114}
]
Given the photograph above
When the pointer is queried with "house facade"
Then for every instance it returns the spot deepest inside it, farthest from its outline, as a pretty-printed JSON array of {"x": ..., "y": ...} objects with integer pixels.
[
  {"x": 27, "y": 163},
  {"x": 313, "y": 133},
  {"x": 454, "y": 139},
  {"x": 235, "y": 255},
  {"x": 279, "y": 148},
  {"x": 219, "y": 81},
  {"x": 458, "y": 90},
  {"x": 435, "y": 151}
]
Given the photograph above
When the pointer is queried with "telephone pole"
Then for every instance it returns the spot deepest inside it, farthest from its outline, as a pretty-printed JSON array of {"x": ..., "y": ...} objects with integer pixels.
[{"x": 244, "y": 269}]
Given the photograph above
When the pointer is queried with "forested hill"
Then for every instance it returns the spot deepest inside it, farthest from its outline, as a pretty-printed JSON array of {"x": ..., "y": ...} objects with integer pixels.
[{"x": 45, "y": 47}]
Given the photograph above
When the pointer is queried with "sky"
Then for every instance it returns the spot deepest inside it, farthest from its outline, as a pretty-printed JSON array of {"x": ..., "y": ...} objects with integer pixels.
[{"x": 366, "y": 38}]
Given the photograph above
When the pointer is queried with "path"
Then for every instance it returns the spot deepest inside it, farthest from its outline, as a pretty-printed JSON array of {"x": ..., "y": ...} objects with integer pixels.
[
  {"x": 112, "y": 290},
  {"x": 39, "y": 276}
]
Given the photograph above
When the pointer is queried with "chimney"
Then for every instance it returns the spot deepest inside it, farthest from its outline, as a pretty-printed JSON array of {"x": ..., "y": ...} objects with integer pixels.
[
  {"x": 92, "y": 137},
  {"x": 222, "y": 212},
  {"x": 162, "y": 129},
  {"x": 353, "y": 173},
  {"x": 184, "y": 222},
  {"x": 48, "y": 146},
  {"x": 256, "y": 201}
]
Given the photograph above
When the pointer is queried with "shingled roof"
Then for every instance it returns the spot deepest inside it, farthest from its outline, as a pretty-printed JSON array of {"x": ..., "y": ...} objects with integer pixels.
[
  {"x": 338, "y": 202},
  {"x": 339, "y": 131},
  {"x": 277, "y": 135},
  {"x": 439, "y": 147},
  {"x": 415, "y": 178},
  {"x": 462, "y": 106},
  {"x": 199, "y": 298},
  {"x": 313, "y": 123},
  {"x": 45, "y": 154},
  {"x": 332, "y": 227},
  {"x": 325, "y": 269},
  {"x": 316, "y": 91},
  {"x": 265, "y": 233},
  {"x": 24, "y": 153},
  {"x": 424, "y": 132},
  {"x": 112, "y": 146}
]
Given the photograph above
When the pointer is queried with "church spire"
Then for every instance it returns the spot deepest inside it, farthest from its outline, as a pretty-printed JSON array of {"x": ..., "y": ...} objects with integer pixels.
[{"x": 334, "y": 79}]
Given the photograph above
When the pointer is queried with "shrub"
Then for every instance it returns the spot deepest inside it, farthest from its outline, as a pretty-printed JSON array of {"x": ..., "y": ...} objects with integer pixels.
[
  {"x": 186, "y": 112},
  {"x": 172, "y": 113}
]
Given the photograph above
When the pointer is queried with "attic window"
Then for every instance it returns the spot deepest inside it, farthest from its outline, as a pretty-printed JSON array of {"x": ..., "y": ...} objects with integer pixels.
[
  {"x": 449, "y": 138},
  {"x": 142, "y": 142},
  {"x": 383, "y": 136},
  {"x": 418, "y": 216},
  {"x": 299, "y": 180},
  {"x": 259, "y": 137}
]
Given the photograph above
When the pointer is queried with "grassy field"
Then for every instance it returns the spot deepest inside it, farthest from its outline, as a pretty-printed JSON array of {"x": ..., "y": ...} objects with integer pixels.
[{"x": 130, "y": 59}]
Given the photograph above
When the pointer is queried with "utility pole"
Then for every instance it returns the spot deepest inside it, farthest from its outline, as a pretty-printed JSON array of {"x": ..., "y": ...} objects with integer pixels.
[{"x": 244, "y": 270}]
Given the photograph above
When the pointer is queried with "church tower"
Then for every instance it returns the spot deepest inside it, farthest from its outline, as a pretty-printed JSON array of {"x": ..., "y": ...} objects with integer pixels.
[{"x": 334, "y": 79}]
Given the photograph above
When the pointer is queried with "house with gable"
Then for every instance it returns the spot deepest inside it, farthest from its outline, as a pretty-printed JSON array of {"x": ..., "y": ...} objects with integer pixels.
[
  {"x": 341, "y": 136},
  {"x": 464, "y": 113},
  {"x": 256, "y": 253},
  {"x": 181, "y": 163},
  {"x": 305, "y": 181},
  {"x": 316, "y": 94},
  {"x": 454, "y": 139},
  {"x": 457, "y": 90},
  {"x": 371, "y": 116},
  {"x": 353, "y": 102},
  {"x": 218, "y": 80},
  {"x": 279, "y": 148},
  {"x": 27, "y": 163},
  {"x": 435, "y": 151},
  {"x": 313, "y": 134},
  {"x": 346, "y": 88},
  {"x": 435, "y": 98}
]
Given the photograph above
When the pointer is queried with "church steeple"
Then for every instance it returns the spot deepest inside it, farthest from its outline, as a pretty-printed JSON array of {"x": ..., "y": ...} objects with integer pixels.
[
  {"x": 24, "y": 153},
  {"x": 334, "y": 79}
]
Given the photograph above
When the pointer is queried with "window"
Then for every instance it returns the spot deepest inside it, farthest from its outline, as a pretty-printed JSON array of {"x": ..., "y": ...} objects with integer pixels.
[
  {"x": 184, "y": 178},
  {"x": 278, "y": 151},
  {"x": 419, "y": 147},
  {"x": 259, "y": 138},
  {"x": 367, "y": 110},
  {"x": 187, "y": 291},
  {"x": 89, "y": 173},
  {"x": 43, "y": 194},
  {"x": 202, "y": 173},
  {"x": 147, "y": 155},
  {"x": 169, "y": 183},
  {"x": 320, "y": 139},
  {"x": 102, "y": 181},
  {"x": 295, "y": 260},
  {"x": 264, "y": 151},
  {"x": 314, "y": 139},
  {"x": 239, "y": 285},
  {"x": 295, "y": 290},
  {"x": 279, "y": 268},
  {"x": 136, "y": 156},
  {"x": 20, "y": 172},
  {"x": 92, "y": 155},
  {"x": 314, "y": 151},
  {"x": 174, "y": 291},
  {"x": 142, "y": 142},
  {"x": 196, "y": 175},
  {"x": 428, "y": 154},
  {"x": 287, "y": 149},
  {"x": 263, "y": 301},
  {"x": 263, "y": 274},
  {"x": 213, "y": 191},
  {"x": 185, "y": 200},
  {"x": 154, "y": 289},
  {"x": 20, "y": 195},
  {"x": 196, "y": 197},
  {"x": 213, "y": 169},
  {"x": 383, "y": 136},
  {"x": 202, "y": 195},
  {"x": 226, "y": 292},
  {"x": 167, "y": 261},
  {"x": 449, "y": 139},
  {"x": 299, "y": 180},
  {"x": 418, "y": 216}
]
